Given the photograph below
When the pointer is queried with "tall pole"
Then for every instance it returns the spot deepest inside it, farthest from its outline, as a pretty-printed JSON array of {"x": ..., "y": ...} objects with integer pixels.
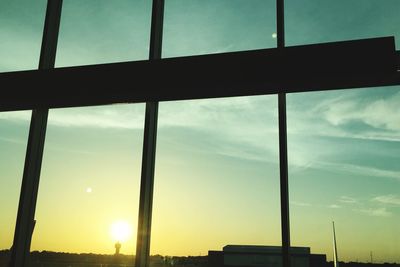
[
  {"x": 149, "y": 147},
  {"x": 283, "y": 157},
  {"x": 34, "y": 153},
  {"x": 335, "y": 254}
]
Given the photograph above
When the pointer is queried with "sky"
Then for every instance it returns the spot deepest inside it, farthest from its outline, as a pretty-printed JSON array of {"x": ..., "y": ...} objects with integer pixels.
[{"x": 217, "y": 164}]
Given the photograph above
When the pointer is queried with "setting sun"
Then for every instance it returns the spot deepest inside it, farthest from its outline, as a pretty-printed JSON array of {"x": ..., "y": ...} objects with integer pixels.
[{"x": 121, "y": 231}]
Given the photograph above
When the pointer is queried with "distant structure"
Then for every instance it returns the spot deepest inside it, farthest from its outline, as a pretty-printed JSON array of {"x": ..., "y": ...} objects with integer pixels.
[
  {"x": 117, "y": 248},
  {"x": 261, "y": 256},
  {"x": 335, "y": 254}
]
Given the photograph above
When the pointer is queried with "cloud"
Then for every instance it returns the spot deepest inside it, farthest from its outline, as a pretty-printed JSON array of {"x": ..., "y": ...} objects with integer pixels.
[
  {"x": 320, "y": 115},
  {"x": 346, "y": 199},
  {"x": 242, "y": 127},
  {"x": 359, "y": 170},
  {"x": 341, "y": 113},
  {"x": 334, "y": 206},
  {"x": 387, "y": 199},
  {"x": 379, "y": 212},
  {"x": 328, "y": 119},
  {"x": 300, "y": 204},
  {"x": 16, "y": 116},
  {"x": 246, "y": 127},
  {"x": 379, "y": 113},
  {"x": 113, "y": 116},
  {"x": 116, "y": 117}
]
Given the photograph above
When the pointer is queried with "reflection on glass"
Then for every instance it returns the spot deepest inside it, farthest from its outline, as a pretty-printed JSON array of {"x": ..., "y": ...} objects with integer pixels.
[
  {"x": 315, "y": 21},
  {"x": 21, "y": 34},
  {"x": 89, "y": 189},
  {"x": 344, "y": 149},
  {"x": 14, "y": 128},
  {"x": 202, "y": 27},
  {"x": 216, "y": 181},
  {"x": 103, "y": 31}
]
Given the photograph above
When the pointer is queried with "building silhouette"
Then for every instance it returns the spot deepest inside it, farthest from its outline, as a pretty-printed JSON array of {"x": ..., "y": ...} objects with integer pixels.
[{"x": 263, "y": 256}]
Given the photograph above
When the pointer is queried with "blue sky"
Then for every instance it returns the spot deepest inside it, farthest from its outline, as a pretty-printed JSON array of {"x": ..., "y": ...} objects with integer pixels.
[{"x": 217, "y": 160}]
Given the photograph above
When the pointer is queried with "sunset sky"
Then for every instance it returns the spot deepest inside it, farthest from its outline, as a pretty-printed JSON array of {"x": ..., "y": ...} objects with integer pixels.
[{"x": 217, "y": 164}]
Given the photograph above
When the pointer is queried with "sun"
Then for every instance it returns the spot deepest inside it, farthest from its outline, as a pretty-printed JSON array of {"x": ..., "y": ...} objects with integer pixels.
[{"x": 121, "y": 231}]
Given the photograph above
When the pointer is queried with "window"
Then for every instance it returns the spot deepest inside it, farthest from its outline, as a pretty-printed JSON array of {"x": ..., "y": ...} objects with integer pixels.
[
  {"x": 216, "y": 186},
  {"x": 217, "y": 167},
  {"x": 343, "y": 167},
  {"x": 102, "y": 31},
  {"x": 313, "y": 21},
  {"x": 21, "y": 34},
  {"x": 204, "y": 27},
  {"x": 14, "y": 128},
  {"x": 89, "y": 190}
]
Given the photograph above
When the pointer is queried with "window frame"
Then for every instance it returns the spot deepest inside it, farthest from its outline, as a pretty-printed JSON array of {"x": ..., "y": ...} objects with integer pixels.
[{"x": 267, "y": 71}]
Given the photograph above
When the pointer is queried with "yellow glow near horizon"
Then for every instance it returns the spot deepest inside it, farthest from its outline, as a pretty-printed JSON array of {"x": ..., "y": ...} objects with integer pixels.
[{"x": 120, "y": 231}]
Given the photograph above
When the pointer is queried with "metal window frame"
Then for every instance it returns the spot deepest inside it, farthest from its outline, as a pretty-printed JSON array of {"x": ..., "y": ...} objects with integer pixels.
[
  {"x": 283, "y": 151},
  {"x": 316, "y": 67},
  {"x": 142, "y": 257},
  {"x": 347, "y": 64},
  {"x": 33, "y": 160}
]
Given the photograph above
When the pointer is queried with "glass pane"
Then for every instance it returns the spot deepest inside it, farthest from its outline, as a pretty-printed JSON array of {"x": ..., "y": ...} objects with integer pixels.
[
  {"x": 315, "y": 21},
  {"x": 206, "y": 26},
  {"x": 217, "y": 178},
  {"x": 344, "y": 149},
  {"x": 103, "y": 31},
  {"x": 14, "y": 127},
  {"x": 89, "y": 190},
  {"x": 21, "y": 34}
]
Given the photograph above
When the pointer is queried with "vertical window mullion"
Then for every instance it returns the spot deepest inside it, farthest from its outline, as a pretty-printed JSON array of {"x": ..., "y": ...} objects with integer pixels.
[
  {"x": 149, "y": 147},
  {"x": 283, "y": 153},
  {"x": 34, "y": 153}
]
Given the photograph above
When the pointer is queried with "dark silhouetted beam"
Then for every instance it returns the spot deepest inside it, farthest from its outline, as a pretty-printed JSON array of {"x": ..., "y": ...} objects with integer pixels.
[
  {"x": 142, "y": 258},
  {"x": 33, "y": 159},
  {"x": 348, "y": 64},
  {"x": 283, "y": 151}
]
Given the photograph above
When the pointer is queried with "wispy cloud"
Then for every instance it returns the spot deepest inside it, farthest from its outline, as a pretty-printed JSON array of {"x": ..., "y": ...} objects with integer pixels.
[
  {"x": 379, "y": 212},
  {"x": 348, "y": 200},
  {"x": 242, "y": 127},
  {"x": 113, "y": 116},
  {"x": 320, "y": 116},
  {"x": 327, "y": 119},
  {"x": 381, "y": 113},
  {"x": 388, "y": 199},
  {"x": 124, "y": 117},
  {"x": 378, "y": 206},
  {"x": 300, "y": 204},
  {"x": 246, "y": 127},
  {"x": 330, "y": 113},
  {"x": 16, "y": 116},
  {"x": 360, "y": 170}
]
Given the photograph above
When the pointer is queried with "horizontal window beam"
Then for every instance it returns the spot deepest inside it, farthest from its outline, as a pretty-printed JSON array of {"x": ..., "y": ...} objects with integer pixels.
[{"x": 337, "y": 65}]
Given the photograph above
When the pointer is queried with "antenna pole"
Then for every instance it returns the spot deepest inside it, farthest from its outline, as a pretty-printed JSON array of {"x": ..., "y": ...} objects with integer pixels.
[{"x": 335, "y": 254}]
